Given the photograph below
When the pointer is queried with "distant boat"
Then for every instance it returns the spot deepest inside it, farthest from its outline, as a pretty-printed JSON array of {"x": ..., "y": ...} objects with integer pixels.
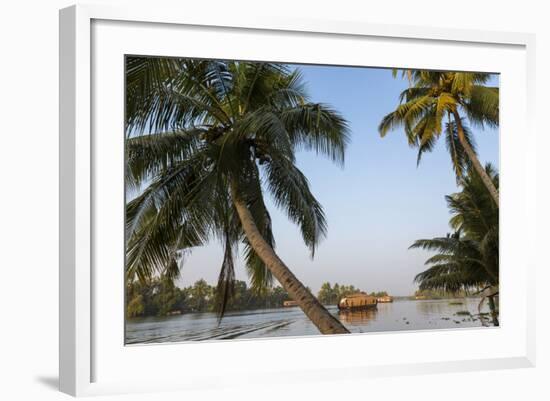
[
  {"x": 419, "y": 297},
  {"x": 357, "y": 301},
  {"x": 384, "y": 299},
  {"x": 290, "y": 303}
]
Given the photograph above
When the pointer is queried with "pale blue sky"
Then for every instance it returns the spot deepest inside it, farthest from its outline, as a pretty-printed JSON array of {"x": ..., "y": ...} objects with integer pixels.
[{"x": 376, "y": 206}]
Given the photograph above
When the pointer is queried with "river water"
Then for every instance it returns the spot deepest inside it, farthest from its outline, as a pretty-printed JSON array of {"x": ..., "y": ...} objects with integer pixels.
[{"x": 260, "y": 323}]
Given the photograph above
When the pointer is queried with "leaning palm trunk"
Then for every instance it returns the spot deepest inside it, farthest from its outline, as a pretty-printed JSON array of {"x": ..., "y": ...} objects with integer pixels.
[
  {"x": 490, "y": 293},
  {"x": 474, "y": 160},
  {"x": 493, "y": 310},
  {"x": 314, "y": 310}
]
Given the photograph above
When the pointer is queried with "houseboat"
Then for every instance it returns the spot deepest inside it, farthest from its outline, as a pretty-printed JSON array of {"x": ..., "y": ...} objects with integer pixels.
[
  {"x": 357, "y": 301},
  {"x": 384, "y": 299}
]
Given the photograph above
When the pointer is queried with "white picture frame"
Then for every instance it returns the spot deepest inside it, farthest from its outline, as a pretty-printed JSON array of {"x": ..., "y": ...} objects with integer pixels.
[{"x": 89, "y": 362}]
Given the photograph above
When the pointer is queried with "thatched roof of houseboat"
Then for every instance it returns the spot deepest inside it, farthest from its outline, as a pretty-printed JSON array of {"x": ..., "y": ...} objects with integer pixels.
[{"x": 358, "y": 295}]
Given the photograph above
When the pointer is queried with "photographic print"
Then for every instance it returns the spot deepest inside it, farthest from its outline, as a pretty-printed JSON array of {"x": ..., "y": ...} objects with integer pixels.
[{"x": 268, "y": 199}]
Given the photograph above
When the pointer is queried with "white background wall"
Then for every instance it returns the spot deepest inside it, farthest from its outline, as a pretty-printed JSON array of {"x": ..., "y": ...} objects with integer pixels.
[{"x": 29, "y": 186}]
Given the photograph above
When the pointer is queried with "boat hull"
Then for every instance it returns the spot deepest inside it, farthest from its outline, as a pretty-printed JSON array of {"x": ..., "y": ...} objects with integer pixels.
[{"x": 356, "y": 308}]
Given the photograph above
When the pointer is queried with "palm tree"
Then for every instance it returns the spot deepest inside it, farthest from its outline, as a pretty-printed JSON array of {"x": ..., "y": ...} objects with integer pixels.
[
  {"x": 435, "y": 96},
  {"x": 469, "y": 257},
  {"x": 200, "y": 294},
  {"x": 327, "y": 295},
  {"x": 205, "y": 141}
]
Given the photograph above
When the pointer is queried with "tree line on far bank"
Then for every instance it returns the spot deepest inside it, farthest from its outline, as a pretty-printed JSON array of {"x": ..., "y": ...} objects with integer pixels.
[
  {"x": 161, "y": 297},
  {"x": 330, "y": 295}
]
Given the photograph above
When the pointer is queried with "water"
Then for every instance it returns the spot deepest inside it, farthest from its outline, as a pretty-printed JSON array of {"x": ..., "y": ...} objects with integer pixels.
[{"x": 399, "y": 315}]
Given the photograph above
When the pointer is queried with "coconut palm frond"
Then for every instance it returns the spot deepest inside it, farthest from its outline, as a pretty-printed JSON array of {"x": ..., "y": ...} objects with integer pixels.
[
  {"x": 290, "y": 191},
  {"x": 435, "y": 95},
  {"x": 469, "y": 257},
  {"x": 317, "y": 127},
  {"x": 482, "y": 106},
  {"x": 197, "y": 127}
]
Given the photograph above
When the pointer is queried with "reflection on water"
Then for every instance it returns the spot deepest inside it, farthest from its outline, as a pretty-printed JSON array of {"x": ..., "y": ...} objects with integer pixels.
[
  {"x": 429, "y": 308},
  {"x": 360, "y": 317},
  {"x": 399, "y": 315}
]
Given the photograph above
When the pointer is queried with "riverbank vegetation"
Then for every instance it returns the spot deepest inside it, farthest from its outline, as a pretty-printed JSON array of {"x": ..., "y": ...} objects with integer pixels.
[
  {"x": 161, "y": 297},
  {"x": 440, "y": 294},
  {"x": 330, "y": 295},
  {"x": 467, "y": 260}
]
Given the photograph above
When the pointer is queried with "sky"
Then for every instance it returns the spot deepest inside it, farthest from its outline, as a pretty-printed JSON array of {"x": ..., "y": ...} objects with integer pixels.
[{"x": 377, "y": 205}]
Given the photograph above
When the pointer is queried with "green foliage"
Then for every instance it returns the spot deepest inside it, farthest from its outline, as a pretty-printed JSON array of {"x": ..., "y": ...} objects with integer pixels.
[
  {"x": 135, "y": 306},
  {"x": 433, "y": 104},
  {"x": 200, "y": 296},
  {"x": 467, "y": 259},
  {"x": 156, "y": 297},
  {"x": 160, "y": 297},
  {"x": 199, "y": 132},
  {"x": 378, "y": 294},
  {"x": 437, "y": 293},
  {"x": 330, "y": 295}
]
